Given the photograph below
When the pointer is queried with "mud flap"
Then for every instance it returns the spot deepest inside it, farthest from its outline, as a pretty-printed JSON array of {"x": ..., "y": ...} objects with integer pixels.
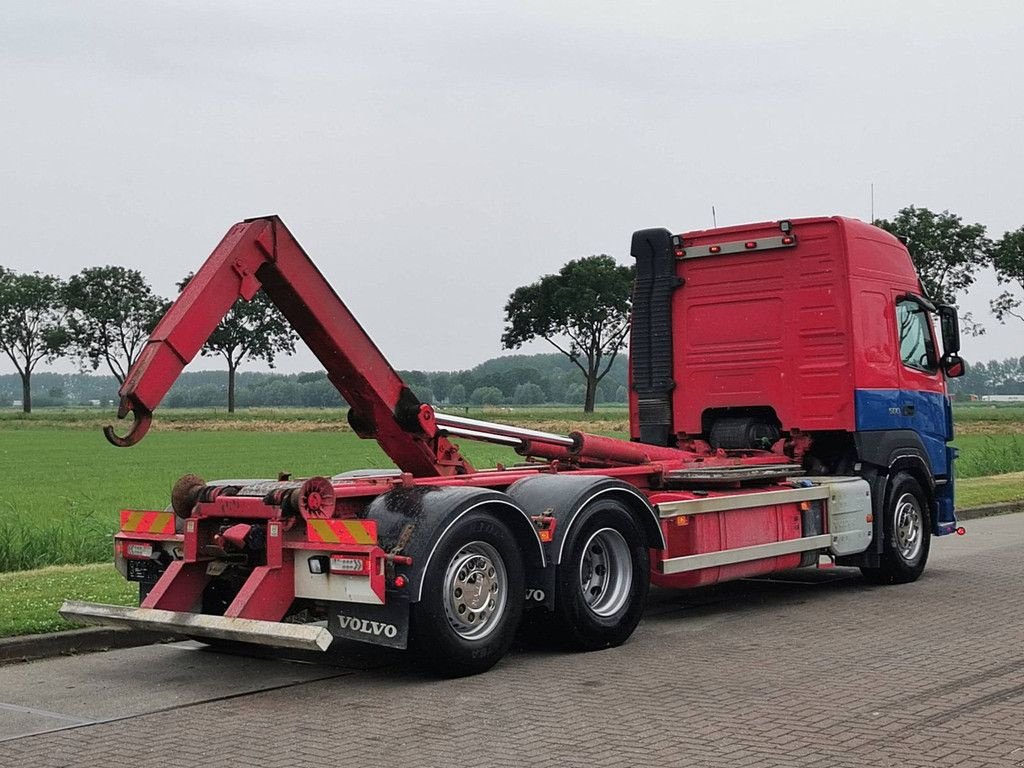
[{"x": 386, "y": 625}]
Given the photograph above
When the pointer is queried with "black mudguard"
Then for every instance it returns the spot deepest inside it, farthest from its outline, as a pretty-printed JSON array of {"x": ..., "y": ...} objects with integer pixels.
[
  {"x": 564, "y": 497},
  {"x": 413, "y": 521},
  {"x": 880, "y": 454}
]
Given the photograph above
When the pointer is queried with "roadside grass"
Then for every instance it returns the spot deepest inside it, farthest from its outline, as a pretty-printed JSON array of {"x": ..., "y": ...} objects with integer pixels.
[
  {"x": 983, "y": 455},
  {"x": 31, "y": 599},
  {"x": 979, "y": 491}
]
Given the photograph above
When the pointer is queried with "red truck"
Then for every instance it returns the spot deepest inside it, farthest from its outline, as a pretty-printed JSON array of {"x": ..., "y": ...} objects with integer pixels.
[{"x": 787, "y": 403}]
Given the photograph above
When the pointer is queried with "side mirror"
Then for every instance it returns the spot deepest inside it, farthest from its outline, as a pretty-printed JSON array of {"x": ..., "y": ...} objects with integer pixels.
[
  {"x": 953, "y": 366},
  {"x": 950, "y": 324}
]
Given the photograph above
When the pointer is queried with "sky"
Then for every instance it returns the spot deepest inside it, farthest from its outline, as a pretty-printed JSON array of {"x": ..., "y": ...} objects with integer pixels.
[{"x": 432, "y": 157}]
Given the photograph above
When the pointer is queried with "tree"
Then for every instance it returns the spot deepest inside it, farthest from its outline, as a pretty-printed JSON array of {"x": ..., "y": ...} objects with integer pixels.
[
  {"x": 30, "y": 323},
  {"x": 486, "y": 396},
  {"x": 528, "y": 394},
  {"x": 251, "y": 330},
  {"x": 1008, "y": 261},
  {"x": 946, "y": 253},
  {"x": 587, "y": 303},
  {"x": 457, "y": 395},
  {"x": 111, "y": 312}
]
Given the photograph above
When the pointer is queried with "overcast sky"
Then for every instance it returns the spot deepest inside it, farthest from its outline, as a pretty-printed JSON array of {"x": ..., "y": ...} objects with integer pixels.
[{"x": 432, "y": 157}]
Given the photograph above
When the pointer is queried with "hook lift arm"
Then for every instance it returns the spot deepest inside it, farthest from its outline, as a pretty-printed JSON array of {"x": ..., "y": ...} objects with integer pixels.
[{"x": 263, "y": 253}]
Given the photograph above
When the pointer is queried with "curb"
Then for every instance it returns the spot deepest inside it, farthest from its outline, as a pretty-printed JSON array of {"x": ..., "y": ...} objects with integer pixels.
[{"x": 33, "y": 647}]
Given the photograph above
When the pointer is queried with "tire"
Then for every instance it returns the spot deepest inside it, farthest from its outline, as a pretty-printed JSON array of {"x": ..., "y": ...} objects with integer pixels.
[
  {"x": 472, "y": 599},
  {"x": 595, "y": 609},
  {"x": 906, "y": 528}
]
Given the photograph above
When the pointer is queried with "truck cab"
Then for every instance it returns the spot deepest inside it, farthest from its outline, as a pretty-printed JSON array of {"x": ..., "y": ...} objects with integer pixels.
[{"x": 812, "y": 336}]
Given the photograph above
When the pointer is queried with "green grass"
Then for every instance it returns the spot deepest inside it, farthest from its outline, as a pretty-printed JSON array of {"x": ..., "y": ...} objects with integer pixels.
[
  {"x": 317, "y": 418},
  {"x": 989, "y": 454},
  {"x": 968, "y": 412},
  {"x": 60, "y": 499},
  {"x": 64, "y": 484},
  {"x": 980, "y": 491},
  {"x": 30, "y": 600}
]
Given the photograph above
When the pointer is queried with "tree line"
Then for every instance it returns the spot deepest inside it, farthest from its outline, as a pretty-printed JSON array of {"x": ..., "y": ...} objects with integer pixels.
[
  {"x": 102, "y": 316},
  {"x": 506, "y": 381},
  {"x": 517, "y": 380}
]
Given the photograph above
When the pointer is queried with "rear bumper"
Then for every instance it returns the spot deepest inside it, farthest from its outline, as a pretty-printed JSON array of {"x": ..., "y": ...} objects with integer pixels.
[{"x": 303, "y": 636}]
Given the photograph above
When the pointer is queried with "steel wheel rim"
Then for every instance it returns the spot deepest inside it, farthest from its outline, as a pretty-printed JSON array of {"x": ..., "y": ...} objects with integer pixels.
[
  {"x": 475, "y": 590},
  {"x": 908, "y": 523},
  {"x": 606, "y": 572}
]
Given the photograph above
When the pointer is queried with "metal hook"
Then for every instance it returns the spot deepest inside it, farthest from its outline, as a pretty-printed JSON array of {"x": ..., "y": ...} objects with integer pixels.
[{"x": 143, "y": 420}]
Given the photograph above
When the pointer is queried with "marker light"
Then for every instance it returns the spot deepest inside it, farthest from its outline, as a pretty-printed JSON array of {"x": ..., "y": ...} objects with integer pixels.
[
  {"x": 714, "y": 249},
  {"x": 347, "y": 564},
  {"x": 750, "y": 244},
  {"x": 137, "y": 551}
]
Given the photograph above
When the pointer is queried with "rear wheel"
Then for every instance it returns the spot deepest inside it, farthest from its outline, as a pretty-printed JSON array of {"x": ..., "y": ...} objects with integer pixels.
[
  {"x": 907, "y": 531},
  {"x": 472, "y": 598},
  {"x": 602, "y": 581}
]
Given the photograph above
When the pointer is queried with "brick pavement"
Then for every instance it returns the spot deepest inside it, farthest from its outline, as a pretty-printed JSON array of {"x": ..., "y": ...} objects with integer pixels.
[{"x": 817, "y": 669}]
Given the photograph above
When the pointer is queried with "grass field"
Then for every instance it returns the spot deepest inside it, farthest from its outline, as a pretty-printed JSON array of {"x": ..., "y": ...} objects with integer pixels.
[
  {"x": 64, "y": 485},
  {"x": 31, "y": 599}
]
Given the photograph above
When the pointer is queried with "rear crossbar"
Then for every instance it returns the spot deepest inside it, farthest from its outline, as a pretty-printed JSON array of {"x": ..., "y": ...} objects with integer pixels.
[{"x": 308, "y": 637}]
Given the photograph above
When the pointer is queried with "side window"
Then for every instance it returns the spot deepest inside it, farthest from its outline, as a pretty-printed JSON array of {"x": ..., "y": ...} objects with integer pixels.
[{"x": 916, "y": 346}]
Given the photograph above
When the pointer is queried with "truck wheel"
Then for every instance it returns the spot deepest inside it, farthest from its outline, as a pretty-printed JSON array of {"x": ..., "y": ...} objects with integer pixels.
[
  {"x": 472, "y": 602},
  {"x": 907, "y": 531},
  {"x": 602, "y": 581}
]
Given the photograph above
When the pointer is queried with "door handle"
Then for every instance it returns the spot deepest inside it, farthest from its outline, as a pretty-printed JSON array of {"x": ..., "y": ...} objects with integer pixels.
[{"x": 908, "y": 410}]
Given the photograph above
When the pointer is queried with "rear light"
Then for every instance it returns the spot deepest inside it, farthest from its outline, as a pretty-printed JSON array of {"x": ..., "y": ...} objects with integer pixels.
[
  {"x": 318, "y": 564},
  {"x": 137, "y": 551},
  {"x": 348, "y": 564}
]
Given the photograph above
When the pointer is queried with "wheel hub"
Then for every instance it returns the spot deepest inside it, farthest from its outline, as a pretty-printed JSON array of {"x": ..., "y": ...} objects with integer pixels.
[
  {"x": 606, "y": 572},
  {"x": 475, "y": 590},
  {"x": 908, "y": 526}
]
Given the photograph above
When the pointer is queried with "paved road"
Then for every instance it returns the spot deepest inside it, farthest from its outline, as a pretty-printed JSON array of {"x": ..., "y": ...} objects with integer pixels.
[{"x": 814, "y": 669}]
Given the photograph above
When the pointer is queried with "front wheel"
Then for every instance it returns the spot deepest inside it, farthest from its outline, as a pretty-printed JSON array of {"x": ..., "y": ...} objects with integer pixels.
[
  {"x": 602, "y": 581},
  {"x": 907, "y": 531},
  {"x": 472, "y": 598}
]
